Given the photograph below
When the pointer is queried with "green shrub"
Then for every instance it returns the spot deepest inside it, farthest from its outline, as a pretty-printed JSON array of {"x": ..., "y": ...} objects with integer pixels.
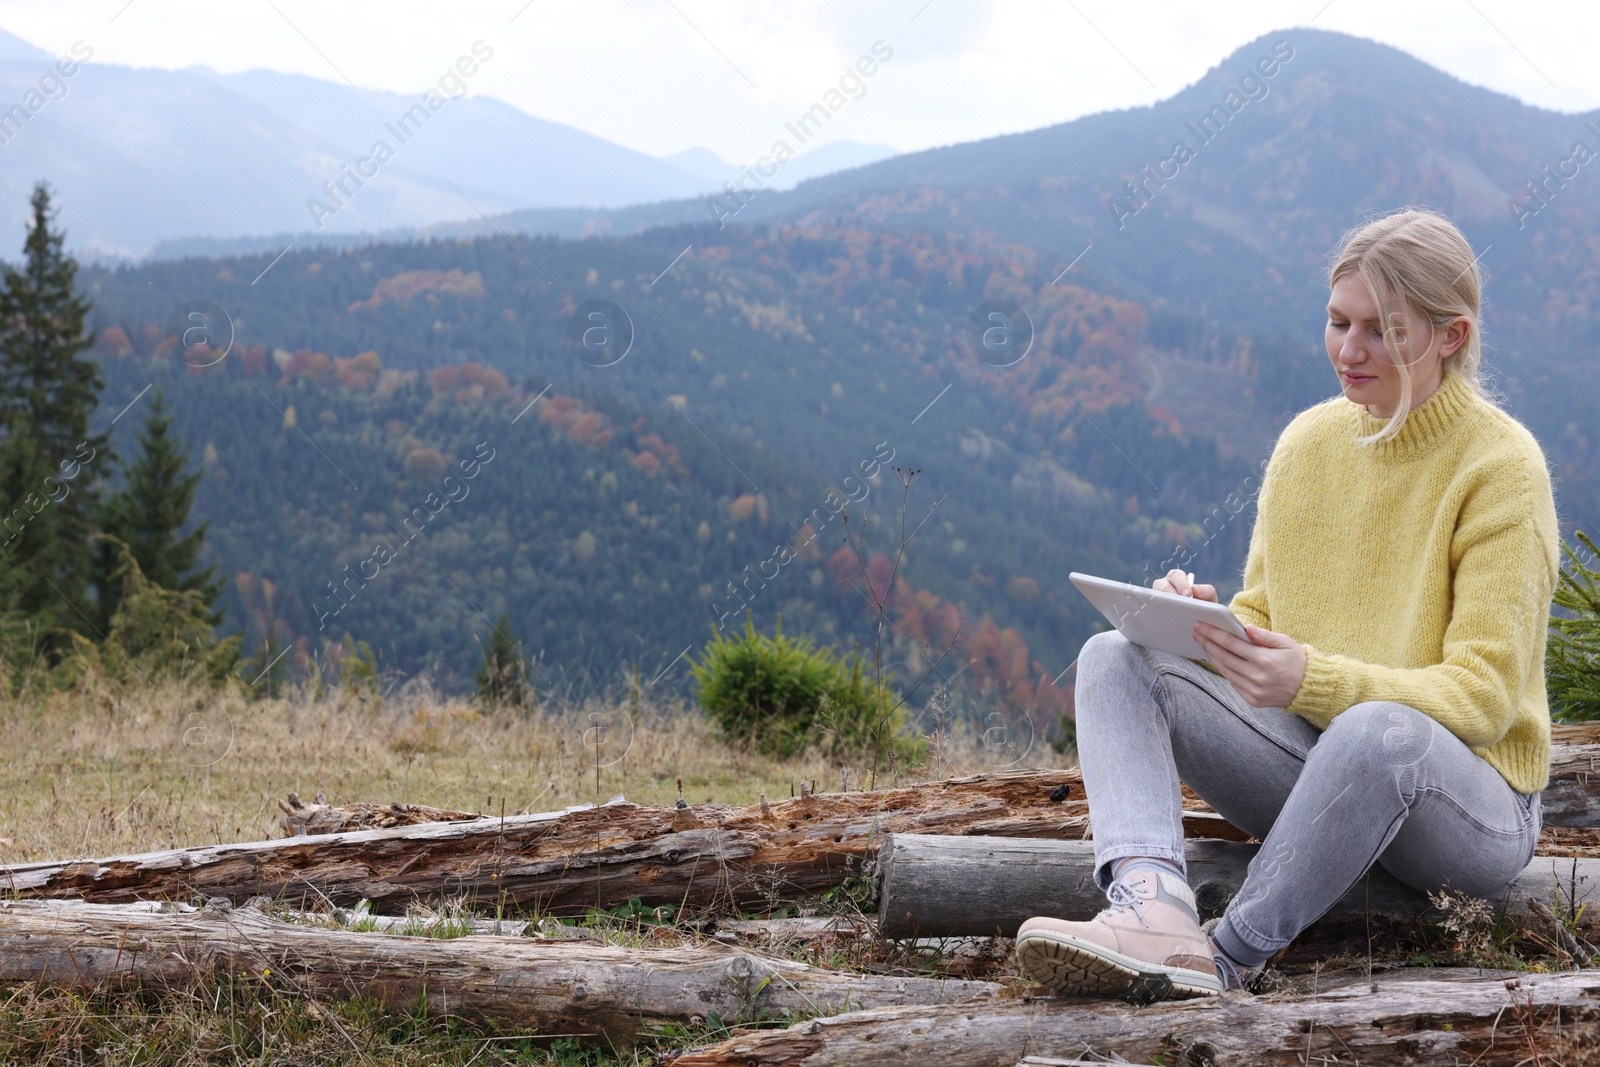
[
  {"x": 503, "y": 677},
  {"x": 1572, "y": 657},
  {"x": 155, "y": 633},
  {"x": 779, "y": 695}
]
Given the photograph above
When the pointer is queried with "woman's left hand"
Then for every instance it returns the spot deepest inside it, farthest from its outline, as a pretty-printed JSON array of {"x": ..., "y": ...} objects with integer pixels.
[{"x": 1266, "y": 670}]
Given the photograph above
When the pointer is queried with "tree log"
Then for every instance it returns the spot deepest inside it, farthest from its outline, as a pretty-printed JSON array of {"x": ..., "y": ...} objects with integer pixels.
[
  {"x": 702, "y": 855},
  {"x": 1451, "y": 1016},
  {"x": 1573, "y": 796},
  {"x": 564, "y": 862},
  {"x": 533, "y": 985},
  {"x": 939, "y": 886}
]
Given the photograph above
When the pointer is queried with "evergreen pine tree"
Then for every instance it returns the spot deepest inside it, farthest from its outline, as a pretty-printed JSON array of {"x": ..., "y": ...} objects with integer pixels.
[
  {"x": 49, "y": 462},
  {"x": 148, "y": 515},
  {"x": 503, "y": 677},
  {"x": 1572, "y": 658}
]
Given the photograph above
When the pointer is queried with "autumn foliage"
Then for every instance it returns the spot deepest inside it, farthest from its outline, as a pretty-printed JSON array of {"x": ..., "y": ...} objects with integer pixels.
[
  {"x": 402, "y": 288},
  {"x": 993, "y": 662}
]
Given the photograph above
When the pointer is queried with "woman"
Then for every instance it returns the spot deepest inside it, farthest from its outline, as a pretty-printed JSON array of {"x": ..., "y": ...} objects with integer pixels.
[{"x": 1389, "y": 704}]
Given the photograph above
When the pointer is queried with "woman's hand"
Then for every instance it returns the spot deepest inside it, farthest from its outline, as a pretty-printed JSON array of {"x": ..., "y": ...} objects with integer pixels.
[
  {"x": 1182, "y": 583},
  {"x": 1266, "y": 670}
]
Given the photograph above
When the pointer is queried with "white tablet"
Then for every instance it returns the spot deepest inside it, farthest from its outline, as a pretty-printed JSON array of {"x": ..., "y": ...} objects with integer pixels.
[{"x": 1156, "y": 619}]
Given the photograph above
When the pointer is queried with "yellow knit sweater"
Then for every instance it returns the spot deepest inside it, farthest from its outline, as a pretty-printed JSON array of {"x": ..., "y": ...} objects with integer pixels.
[{"x": 1419, "y": 570}]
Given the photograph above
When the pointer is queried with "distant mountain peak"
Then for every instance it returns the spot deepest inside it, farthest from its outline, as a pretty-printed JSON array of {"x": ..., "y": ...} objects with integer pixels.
[
  {"x": 815, "y": 162},
  {"x": 14, "y": 47},
  {"x": 701, "y": 163}
]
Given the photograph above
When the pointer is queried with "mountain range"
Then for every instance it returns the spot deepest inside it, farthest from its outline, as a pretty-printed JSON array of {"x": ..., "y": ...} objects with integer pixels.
[
  {"x": 1165, "y": 265},
  {"x": 145, "y": 156}
]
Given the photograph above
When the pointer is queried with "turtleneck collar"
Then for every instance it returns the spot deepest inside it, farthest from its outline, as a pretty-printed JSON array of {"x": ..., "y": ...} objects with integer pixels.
[{"x": 1426, "y": 424}]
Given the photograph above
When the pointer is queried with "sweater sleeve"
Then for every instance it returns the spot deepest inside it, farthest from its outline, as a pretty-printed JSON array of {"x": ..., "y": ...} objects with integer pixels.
[{"x": 1493, "y": 644}]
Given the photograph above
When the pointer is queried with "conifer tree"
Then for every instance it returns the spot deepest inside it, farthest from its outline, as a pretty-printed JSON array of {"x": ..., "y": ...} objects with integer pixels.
[
  {"x": 49, "y": 462},
  {"x": 148, "y": 515},
  {"x": 503, "y": 677},
  {"x": 1572, "y": 657}
]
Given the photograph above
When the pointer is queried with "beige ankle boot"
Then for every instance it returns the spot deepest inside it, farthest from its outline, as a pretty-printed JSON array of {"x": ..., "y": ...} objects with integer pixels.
[{"x": 1147, "y": 945}]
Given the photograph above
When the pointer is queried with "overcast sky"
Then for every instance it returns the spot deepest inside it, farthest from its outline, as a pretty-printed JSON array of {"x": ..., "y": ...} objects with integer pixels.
[{"x": 664, "y": 75}]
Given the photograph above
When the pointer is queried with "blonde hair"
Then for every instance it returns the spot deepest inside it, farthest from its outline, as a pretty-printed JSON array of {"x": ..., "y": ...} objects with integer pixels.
[{"x": 1420, "y": 257}]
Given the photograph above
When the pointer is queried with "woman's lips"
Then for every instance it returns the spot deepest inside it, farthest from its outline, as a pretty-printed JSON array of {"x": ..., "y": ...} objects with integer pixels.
[{"x": 1356, "y": 379}]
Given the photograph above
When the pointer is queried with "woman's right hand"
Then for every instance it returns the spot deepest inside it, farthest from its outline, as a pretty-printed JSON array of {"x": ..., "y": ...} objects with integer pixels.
[{"x": 1183, "y": 584}]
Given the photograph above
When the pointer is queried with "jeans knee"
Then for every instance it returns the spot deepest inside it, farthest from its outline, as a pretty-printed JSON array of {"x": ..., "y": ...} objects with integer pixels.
[
  {"x": 1112, "y": 671},
  {"x": 1107, "y": 650},
  {"x": 1378, "y": 735}
]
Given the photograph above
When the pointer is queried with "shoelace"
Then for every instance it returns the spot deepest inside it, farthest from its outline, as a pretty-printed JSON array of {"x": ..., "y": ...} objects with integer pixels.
[
  {"x": 1227, "y": 972},
  {"x": 1123, "y": 898}
]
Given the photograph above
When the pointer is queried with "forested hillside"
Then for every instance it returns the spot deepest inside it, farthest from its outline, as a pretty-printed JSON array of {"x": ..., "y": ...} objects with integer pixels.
[
  {"x": 1222, "y": 202},
  {"x": 637, "y": 504},
  {"x": 1155, "y": 336}
]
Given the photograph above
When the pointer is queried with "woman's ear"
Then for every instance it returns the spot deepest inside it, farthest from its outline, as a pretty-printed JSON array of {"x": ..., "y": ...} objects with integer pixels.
[{"x": 1454, "y": 335}]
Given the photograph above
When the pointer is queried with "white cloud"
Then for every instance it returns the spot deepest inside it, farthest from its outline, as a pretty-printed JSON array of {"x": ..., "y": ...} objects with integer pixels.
[{"x": 661, "y": 76}]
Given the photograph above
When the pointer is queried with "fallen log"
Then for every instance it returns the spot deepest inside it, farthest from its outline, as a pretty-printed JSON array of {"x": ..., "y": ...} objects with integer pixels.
[
  {"x": 941, "y": 886},
  {"x": 703, "y": 855},
  {"x": 1568, "y": 841},
  {"x": 1573, "y": 796},
  {"x": 534, "y": 985},
  {"x": 1452, "y": 1016},
  {"x": 568, "y": 861}
]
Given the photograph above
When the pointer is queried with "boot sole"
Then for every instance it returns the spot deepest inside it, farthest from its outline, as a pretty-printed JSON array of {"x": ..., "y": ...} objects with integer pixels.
[{"x": 1075, "y": 967}]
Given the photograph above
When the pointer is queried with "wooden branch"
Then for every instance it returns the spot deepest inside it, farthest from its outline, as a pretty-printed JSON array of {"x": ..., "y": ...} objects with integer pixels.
[
  {"x": 938, "y": 886},
  {"x": 1564, "y": 937},
  {"x": 534, "y": 985},
  {"x": 1452, "y": 1016}
]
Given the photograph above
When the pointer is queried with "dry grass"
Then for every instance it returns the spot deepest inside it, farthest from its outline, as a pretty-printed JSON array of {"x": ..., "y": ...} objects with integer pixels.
[{"x": 97, "y": 773}]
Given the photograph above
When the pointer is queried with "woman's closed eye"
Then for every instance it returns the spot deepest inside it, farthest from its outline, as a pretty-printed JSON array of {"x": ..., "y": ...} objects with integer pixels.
[{"x": 1374, "y": 331}]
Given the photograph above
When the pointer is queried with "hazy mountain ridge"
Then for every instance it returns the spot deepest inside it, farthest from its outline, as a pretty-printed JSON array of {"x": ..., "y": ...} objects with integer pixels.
[{"x": 138, "y": 151}]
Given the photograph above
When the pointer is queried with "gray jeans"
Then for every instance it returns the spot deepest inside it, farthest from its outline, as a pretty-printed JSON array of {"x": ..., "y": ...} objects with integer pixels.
[{"x": 1384, "y": 783}]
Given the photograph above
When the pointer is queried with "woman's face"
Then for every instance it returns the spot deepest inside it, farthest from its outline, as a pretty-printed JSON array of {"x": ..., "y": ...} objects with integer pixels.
[{"x": 1368, "y": 374}]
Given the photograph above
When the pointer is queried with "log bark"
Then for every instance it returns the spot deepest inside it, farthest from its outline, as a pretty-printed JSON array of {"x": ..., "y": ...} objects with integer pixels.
[
  {"x": 532, "y": 985},
  {"x": 1573, "y": 796},
  {"x": 701, "y": 855},
  {"x": 564, "y": 862},
  {"x": 938, "y": 886},
  {"x": 1454, "y": 1017}
]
